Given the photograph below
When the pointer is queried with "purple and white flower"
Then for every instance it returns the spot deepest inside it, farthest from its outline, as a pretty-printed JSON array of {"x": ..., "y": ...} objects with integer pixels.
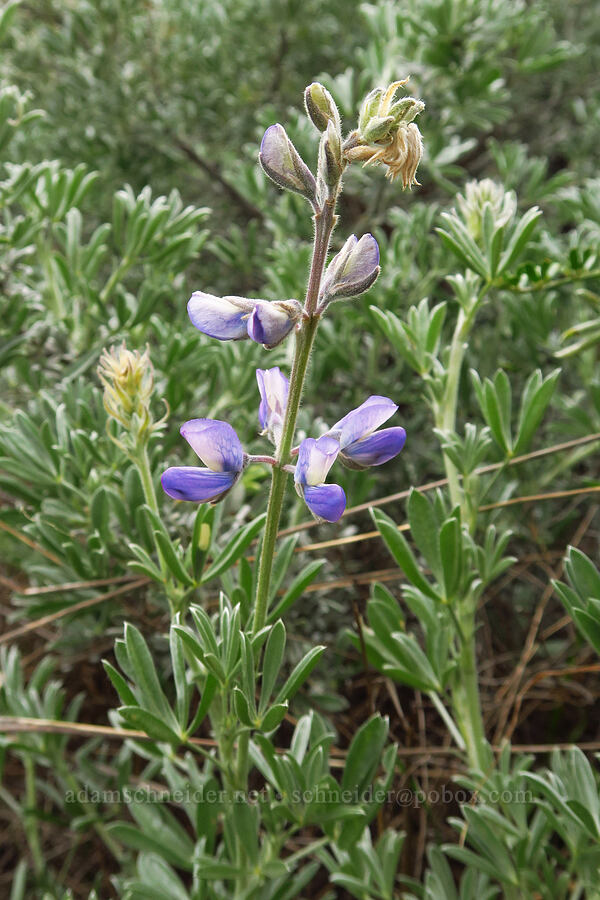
[
  {"x": 274, "y": 389},
  {"x": 351, "y": 271},
  {"x": 360, "y": 444},
  {"x": 219, "y": 447},
  {"x": 223, "y": 318},
  {"x": 315, "y": 458},
  {"x": 267, "y": 322}
]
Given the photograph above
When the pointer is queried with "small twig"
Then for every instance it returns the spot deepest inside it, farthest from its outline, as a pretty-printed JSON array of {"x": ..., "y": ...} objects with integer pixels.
[
  {"x": 27, "y": 540},
  {"x": 510, "y": 689},
  {"x": 540, "y": 676},
  {"x": 18, "y": 724},
  {"x": 251, "y": 211},
  {"x": 75, "y": 585},
  {"x": 76, "y": 607},
  {"x": 441, "y": 482},
  {"x": 530, "y": 498}
]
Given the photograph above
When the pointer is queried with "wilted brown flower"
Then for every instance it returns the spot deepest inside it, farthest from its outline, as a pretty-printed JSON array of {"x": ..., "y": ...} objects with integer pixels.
[{"x": 387, "y": 134}]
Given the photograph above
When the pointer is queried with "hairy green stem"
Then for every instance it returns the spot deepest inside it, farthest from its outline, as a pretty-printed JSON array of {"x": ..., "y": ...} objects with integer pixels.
[
  {"x": 447, "y": 418},
  {"x": 467, "y": 706},
  {"x": 142, "y": 464},
  {"x": 465, "y": 691},
  {"x": 324, "y": 224}
]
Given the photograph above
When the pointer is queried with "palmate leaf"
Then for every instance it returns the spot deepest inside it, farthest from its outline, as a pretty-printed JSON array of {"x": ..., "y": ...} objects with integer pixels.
[
  {"x": 157, "y": 880},
  {"x": 296, "y": 589},
  {"x": 457, "y": 238},
  {"x": 401, "y": 552}
]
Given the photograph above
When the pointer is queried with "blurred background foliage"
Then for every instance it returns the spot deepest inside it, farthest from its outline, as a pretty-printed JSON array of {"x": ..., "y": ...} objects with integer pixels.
[{"x": 129, "y": 134}]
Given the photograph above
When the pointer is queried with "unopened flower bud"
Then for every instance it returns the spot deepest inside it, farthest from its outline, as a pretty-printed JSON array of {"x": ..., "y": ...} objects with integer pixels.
[
  {"x": 331, "y": 164},
  {"x": 274, "y": 389},
  {"x": 352, "y": 271},
  {"x": 128, "y": 380},
  {"x": 478, "y": 195},
  {"x": 406, "y": 109},
  {"x": 320, "y": 107},
  {"x": 379, "y": 128},
  {"x": 369, "y": 108},
  {"x": 284, "y": 165}
]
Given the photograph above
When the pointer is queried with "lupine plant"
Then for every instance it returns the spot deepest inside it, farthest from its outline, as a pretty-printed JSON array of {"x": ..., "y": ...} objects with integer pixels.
[
  {"x": 236, "y": 659},
  {"x": 291, "y": 687}
]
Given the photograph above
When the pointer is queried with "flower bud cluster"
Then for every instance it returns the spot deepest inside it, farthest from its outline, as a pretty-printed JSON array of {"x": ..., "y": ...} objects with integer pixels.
[
  {"x": 478, "y": 194},
  {"x": 128, "y": 379}
]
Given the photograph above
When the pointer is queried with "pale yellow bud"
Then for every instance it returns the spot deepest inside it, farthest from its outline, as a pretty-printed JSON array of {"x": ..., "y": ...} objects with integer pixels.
[{"x": 128, "y": 381}]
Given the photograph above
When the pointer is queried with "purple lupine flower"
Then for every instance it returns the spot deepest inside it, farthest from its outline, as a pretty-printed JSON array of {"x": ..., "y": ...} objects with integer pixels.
[
  {"x": 223, "y": 318},
  {"x": 267, "y": 322},
  {"x": 315, "y": 458},
  {"x": 217, "y": 445},
  {"x": 353, "y": 270},
  {"x": 360, "y": 444},
  {"x": 284, "y": 165},
  {"x": 272, "y": 321},
  {"x": 274, "y": 388}
]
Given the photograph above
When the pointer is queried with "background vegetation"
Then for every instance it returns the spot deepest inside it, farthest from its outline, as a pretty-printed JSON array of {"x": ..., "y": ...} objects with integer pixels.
[{"x": 128, "y": 138}]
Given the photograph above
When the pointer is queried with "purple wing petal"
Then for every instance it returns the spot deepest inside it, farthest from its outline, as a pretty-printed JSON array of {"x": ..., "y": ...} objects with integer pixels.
[
  {"x": 263, "y": 409},
  {"x": 363, "y": 420},
  {"x": 270, "y": 323},
  {"x": 365, "y": 257},
  {"x": 192, "y": 483},
  {"x": 216, "y": 443},
  {"x": 220, "y": 317},
  {"x": 325, "y": 501},
  {"x": 274, "y": 388},
  {"x": 375, "y": 449},
  {"x": 315, "y": 458}
]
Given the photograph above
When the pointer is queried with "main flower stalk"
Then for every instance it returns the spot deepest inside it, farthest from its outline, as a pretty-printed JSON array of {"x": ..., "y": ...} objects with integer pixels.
[{"x": 325, "y": 220}]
